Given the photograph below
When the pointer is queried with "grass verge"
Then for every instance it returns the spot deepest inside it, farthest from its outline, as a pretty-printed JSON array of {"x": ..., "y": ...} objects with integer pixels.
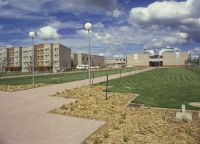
[{"x": 11, "y": 84}]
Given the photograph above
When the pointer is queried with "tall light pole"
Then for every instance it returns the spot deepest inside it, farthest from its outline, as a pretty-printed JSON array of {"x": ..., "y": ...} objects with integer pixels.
[
  {"x": 32, "y": 35},
  {"x": 88, "y": 27}
]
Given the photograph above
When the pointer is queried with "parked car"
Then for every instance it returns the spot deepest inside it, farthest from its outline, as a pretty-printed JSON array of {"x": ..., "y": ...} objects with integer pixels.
[
  {"x": 129, "y": 66},
  {"x": 94, "y": 67},
  {"x": 82, "y": 67}
]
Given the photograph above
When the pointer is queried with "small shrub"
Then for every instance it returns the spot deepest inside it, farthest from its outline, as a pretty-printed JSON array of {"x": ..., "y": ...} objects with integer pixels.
[
  {"x": 106, "y": 135},
  {"x": 125, "y": 138},
  {"x": 96, "y": 141},
  {"x": 121, "y": 121},
  {"x": 115, "y": 127},
  {"x": 163, "y": 117},
  {"x": 123, "y": 116},
  {"x": 95, "y": 111},
  {"x": 185, "y": 120},
  {"x": 72, "y": 108}
]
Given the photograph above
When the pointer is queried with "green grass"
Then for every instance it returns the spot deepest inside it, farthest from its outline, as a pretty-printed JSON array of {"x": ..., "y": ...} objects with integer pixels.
[
  {"x": 167, "y": 87},
  {"x": 13, "y": 74},
  {"x": 59, "y": 78}
]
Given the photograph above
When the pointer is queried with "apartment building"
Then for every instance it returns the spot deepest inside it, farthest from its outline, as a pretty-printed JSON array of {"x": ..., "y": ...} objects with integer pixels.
[
  {"x": 47, "y": 58},
  {"x": 14, "y": 59},
  {"x": 116, "y": 62},
  {"x": 3, "y": 59},
  {"x": 27, "y": 54},
  {"x": 61, "y": 58},
  {"x": 74, "y": 60},
  {"x": 44, "y": 57},
  {"x": 82, "y": 59},
  {"x": 11, "y": 59}
]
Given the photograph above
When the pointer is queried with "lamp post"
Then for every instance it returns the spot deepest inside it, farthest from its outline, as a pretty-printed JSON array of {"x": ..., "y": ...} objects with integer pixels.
[
  {"x": 88, "y": 27},
  {"x": 32, "y": 35}
]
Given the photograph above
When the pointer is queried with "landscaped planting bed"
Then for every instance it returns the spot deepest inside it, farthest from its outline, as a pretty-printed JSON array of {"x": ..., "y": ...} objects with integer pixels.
[{"x": 125, "y": 124}]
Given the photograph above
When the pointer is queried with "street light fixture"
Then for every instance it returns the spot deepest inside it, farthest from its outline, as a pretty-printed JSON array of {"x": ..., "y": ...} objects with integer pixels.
[
  {"x": 88, "y": 27},
  {"x": 32, "y": 35}
]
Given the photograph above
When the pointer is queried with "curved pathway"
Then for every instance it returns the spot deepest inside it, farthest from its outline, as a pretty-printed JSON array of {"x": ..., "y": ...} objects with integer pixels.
[{"x": 24, "y": 117}]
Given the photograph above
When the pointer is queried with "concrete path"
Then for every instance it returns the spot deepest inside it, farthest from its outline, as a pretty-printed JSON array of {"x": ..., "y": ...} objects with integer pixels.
[{"x": 24, "y": 118}]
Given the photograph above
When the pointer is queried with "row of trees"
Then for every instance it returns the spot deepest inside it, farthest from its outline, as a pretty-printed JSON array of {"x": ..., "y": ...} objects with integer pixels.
[{"x": 193, "y": 61}]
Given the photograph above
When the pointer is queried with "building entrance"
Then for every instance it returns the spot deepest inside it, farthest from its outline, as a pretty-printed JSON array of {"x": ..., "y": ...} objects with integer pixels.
[{"x": 155, "y": 64}]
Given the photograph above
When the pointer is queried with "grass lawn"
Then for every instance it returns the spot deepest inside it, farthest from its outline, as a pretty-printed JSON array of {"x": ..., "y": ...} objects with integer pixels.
[
  {"x": 167, "y": 87},
  {"x": 59, "y": 78},
  {"x": 2, "y": 74}
]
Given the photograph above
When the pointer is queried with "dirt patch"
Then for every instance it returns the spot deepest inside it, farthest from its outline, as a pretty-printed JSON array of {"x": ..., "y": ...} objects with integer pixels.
[
  {"x": 194, "y": 104},
  {"x": 128, "y": 125},
  {"x": 9, "y": 88}
]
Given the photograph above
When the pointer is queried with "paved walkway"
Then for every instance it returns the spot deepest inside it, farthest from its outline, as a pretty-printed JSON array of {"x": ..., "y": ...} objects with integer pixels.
[{"x": 24, "y": 118}]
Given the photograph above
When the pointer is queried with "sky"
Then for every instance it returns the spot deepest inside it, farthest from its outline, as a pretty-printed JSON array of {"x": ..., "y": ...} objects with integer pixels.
[{"x": 119, "y": 26}]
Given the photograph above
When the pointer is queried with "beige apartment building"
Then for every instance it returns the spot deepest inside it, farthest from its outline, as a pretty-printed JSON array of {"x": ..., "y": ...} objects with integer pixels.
[
  {"x": 27, "y": 58},
  {"x": 166, "y": 58},
  {"x": 82, "y": 59},
  {"x": 14, "y": 59},
  {"x": 61, "y": 58},
  {"x": 116, "y": 62},
  {"x": 74, "y": 60},
  {"x": 10, "y": 59},
  {"x": 47, "y": 57},
  {"x": 3, "y": 58}
]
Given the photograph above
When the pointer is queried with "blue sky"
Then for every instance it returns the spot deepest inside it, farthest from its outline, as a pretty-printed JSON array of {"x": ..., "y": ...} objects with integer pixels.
[{"x": 119, "y": 26}]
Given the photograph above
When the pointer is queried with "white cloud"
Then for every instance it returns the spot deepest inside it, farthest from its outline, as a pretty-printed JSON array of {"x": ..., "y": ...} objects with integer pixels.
[
  {"x": 98, "y": 25},
  {"x": 5, "y": 45},
  {"x": 196, "y": 51},
  {"x": 29, "y": 9},
  {"x": 118, "y": 56},
  {"x": 161, "y": 11},
  {"x": 115, "y": 13},
  {"x": 163, "y": 40},
  {"x": 48, "y": 32},
  {"x": 176, "y": 16}
]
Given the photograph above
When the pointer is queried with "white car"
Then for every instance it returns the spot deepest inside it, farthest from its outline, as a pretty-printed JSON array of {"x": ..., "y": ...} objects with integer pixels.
[
  {"x": 94, "y": 67},
  {"x": 82, "y": 67}
]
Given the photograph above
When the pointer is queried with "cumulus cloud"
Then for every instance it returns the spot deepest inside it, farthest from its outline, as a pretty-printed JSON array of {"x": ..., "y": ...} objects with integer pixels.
[
  {"x": 98, "y": 25},
  {"x": 48, "y": 32},
  {"x": 162, "y": 41},
  {"x": 196, "y": 51},
  {"x": 87, "y": 5},
  {"x": 161, "y": 12},
  {"x": 30, "y": 9},
  {"x": 179, "y": 16},
  {"x": 5, "y": 45},
  {"x": 115, "y": 13}
]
